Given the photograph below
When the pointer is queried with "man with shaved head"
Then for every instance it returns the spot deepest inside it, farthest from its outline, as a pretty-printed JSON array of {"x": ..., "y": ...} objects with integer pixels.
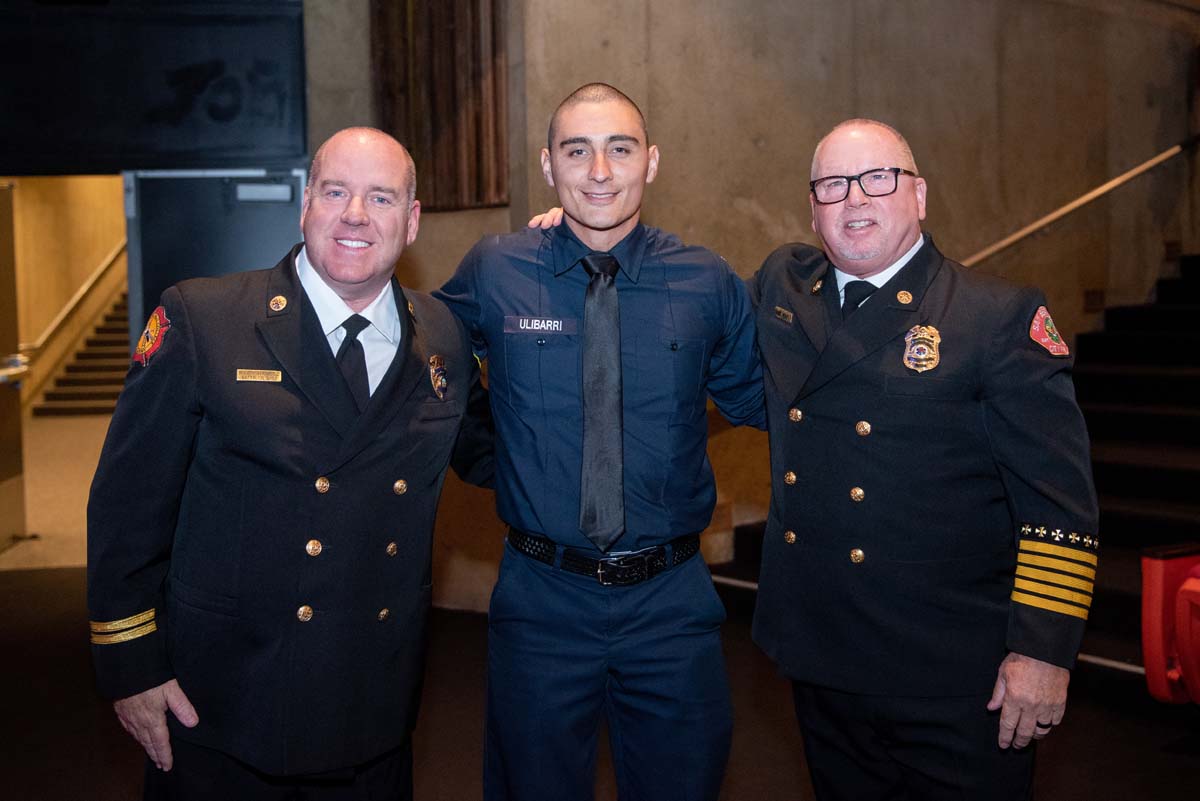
[
  {"x": 260, "y": 523},
  {"x": 931, "y": 542},
  {"x": 604, "y": 338}
]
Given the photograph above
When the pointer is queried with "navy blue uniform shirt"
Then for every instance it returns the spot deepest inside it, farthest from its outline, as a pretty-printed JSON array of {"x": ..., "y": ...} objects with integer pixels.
[{"x": 687, "y": 332}]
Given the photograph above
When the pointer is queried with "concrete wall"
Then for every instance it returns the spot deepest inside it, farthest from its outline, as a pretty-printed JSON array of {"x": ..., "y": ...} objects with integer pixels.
[{"x": 1012, "y": 108}]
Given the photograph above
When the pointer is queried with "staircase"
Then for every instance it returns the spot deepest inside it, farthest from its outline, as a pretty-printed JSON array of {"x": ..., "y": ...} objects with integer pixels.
[{"x": 92, "y": 380}]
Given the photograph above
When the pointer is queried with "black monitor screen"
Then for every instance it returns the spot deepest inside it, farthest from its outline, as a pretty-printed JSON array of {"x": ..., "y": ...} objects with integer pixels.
[{"x": 94, "y": 87}]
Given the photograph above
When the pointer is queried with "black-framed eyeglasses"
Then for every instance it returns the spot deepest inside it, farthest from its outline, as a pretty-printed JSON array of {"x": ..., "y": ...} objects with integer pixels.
[{"x": 875, "y": 182}]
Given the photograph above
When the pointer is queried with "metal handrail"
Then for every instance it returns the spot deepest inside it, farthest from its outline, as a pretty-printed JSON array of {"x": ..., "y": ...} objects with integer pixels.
[
  {"x": 31, "y": 349},
  {"x": 1080, "y": 202}
]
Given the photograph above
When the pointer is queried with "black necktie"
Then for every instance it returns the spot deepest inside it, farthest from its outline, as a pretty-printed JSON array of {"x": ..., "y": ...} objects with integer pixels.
[
  {"x": 353, "y": 361},
  {"x": 602, "y": 487},
  {"x": 856, "y": 293}
]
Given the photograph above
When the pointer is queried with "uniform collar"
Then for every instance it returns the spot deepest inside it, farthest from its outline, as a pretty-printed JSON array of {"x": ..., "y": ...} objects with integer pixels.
[
  {"x": 880, "y": 278},
  {"x": 332, "y": 311},
  {"x": 568, "y": 250}
]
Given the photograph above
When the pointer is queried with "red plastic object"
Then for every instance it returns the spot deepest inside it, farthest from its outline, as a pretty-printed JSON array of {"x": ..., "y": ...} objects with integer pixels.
[{"x": 1171, "y": 622}]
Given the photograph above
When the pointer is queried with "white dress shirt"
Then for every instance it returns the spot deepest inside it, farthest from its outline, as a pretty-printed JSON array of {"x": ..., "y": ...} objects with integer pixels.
[
  {"x": 380, "y": 339},
  {"x": 880, "y": 278}
]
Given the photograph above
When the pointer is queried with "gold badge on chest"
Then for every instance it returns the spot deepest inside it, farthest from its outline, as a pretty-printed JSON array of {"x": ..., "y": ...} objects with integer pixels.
[
  {"x": 437, "y": 375},
  {"x": 921, "y": 348}
]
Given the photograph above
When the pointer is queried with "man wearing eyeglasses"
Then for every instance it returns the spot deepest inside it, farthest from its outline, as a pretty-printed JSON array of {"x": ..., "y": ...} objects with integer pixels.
[{"x": 931, "y": 544}]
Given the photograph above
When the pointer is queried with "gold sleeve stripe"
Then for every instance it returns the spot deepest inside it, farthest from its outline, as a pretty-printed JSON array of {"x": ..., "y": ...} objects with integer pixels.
[
  {"x": 1083, "y": 599},
  {"x": 1054, "y": 578},
  {"x": 1056, "y": 564},
  {"x": 124, "y": 636},
  {"x": 123, "y": 623},
  {"x": 1053, "y": 606},
  {"x": 1058, "y": 550}
]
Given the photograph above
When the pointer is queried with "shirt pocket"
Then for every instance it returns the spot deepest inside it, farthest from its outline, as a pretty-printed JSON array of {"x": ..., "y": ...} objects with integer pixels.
[
  {"x": 687, "y": 357},
  {"x": 542, "y": 372}
]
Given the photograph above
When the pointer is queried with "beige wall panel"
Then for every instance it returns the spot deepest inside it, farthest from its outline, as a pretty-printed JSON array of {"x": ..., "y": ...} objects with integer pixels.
[
  {"x": 444, "y": 238},
  {"x": 64, "y": 228},
  {"x": 1148, "y": 113},
  {"x": 337, "y": 52},
  {"x": 737, "y": 102}
]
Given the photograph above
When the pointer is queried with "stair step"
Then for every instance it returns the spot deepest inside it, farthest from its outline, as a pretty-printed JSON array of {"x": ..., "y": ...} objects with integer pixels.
[
  {"x": 105, "y": 330},
  {"x": 91, "y": 354},
  {"x": 83, "y": 394},
  {"x": 1137, "y": 383},
  {"x": 90, "y": 380},
  {"x": 106, "y": 341},
  {"x": 1154, "y": 472},
  {"x": 1143, "y": 523},
  {"x": 1152, "y": 317},
  {"x": 1179, "y": 425},
  {"x": 117, "y": 367},
  {"x": 1101, "y": 347},
  {"x": 1177, "y": 291},
  {"x": 117, "y": 319},
  {"x": 1189, "y": 266},
  {"x": 72, "y": 408}
]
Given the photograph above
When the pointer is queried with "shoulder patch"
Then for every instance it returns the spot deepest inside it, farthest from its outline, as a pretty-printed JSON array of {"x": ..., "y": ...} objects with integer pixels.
[
  {"x": 152, "y": 336},
  {"x": 1043, "y": 332}
]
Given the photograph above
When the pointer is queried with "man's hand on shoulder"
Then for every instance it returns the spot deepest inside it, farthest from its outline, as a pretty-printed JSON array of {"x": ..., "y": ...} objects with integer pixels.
[
  {"x": 1031, "y": 696},
  {"x": 145, "y": 717},
  {"x": 547, "y": 219}
]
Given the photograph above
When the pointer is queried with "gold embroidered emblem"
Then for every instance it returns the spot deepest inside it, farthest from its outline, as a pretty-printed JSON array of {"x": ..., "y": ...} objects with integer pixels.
[
  {"x": 904, "y": 296},
  {"x": 921, "y": 348}
]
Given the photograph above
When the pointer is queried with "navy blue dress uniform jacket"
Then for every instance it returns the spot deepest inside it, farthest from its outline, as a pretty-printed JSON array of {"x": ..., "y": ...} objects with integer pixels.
[
  {"x": 923, "y": 522},
  {"x": 253, "y": 536}
]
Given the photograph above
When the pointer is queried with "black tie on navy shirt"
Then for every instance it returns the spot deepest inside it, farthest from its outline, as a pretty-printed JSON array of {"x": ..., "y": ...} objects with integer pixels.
[
  {"x": 856, "y": 293},
  {"x": 602, "y": 487},
  {"x": 352, "y": 361}
]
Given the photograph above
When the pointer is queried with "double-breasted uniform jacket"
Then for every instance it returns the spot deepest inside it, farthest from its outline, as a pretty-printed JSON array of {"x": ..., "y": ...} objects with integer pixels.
[
  {"x": 255, "y": 537},
  {"x": 932, "y": 502}
]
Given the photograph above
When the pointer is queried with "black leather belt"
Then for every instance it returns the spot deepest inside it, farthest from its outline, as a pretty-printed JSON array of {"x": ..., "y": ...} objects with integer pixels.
[{"x": 621, "y": 570}]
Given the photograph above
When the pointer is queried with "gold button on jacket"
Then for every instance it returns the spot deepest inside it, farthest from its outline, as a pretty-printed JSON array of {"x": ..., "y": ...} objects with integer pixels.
[
  {"x": 383, "y": 613},
  {"x": 304, "y": 613},
  {"x": 795, "y": 415},
  {"x": 857, "y": 556},
  {"x": 400, "y": 487},
  {"x": 322, "y": 485},
  {"x": 857, "y": 494},
  {"x": 862, "y": 427},
  {"x": 391, "y": 549},
  {"x": 313, "y": 547},
  {"x": 789, "y": 478},
  {"x": 789, "y": 537}
]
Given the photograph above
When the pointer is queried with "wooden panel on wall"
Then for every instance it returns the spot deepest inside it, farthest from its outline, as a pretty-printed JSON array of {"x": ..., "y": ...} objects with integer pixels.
[
  {"x": 64, "y": 227},
  {"x": 441, "y": 88}
]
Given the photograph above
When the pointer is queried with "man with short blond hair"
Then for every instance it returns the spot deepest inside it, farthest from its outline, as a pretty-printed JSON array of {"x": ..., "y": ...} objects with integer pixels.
[{"x": 931, "y": 543}]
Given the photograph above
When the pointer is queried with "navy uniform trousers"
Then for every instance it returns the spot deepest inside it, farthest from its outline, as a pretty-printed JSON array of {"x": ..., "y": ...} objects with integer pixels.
[{"x": 626, "y": 651}]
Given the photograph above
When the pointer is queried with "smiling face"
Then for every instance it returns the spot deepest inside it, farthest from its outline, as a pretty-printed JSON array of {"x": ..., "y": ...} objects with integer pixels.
[
  {"x": 357, "y": 218},
  {"x": 599, "y": 163},
  {"x": 865, "y": 235}
]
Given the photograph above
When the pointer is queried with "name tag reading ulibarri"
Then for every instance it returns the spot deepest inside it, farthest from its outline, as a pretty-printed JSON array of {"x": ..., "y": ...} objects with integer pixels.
[
  {"x": 540, "y": 325},
  {"x": 270, "y": 376}
]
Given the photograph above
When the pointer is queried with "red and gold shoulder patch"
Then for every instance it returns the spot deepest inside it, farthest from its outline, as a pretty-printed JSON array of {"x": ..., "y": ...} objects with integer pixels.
[
  {"x": 1043, "y": 332},
  {"x": 152, "y": 336}
]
